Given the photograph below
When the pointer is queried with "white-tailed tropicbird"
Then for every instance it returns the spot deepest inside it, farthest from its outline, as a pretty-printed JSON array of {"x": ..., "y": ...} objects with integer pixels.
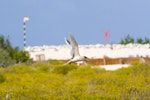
[{"x": 74, "y": 51}]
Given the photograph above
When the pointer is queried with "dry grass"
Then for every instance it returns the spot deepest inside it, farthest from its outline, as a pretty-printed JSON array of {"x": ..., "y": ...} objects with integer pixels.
[{"x": 114, "y": 61}]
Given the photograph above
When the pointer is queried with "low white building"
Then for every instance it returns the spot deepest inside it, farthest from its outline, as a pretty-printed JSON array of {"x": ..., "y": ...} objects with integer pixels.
[{"x": 62, "y": 52}]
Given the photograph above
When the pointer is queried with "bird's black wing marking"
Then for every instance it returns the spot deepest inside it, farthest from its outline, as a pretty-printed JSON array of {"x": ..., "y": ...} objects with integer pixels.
[{"x": 67, "y": 41}]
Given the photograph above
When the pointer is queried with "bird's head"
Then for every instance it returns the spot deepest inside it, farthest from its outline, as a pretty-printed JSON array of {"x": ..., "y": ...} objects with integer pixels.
[{"x": 86, "y": 58}]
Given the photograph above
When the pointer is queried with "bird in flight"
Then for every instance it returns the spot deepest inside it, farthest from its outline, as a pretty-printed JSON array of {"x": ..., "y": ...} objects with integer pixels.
[{"x": 76, "y": 57}]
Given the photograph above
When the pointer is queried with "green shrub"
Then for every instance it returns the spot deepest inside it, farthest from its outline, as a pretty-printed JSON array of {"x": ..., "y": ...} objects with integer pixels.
[
  {"x": 10, "y": 55},
  {"x": 64, "y": 69},
  {"x": 2, "y": 78},
  {"x": 128, "y": 39},
  {"x": 54, "y": 82},
  {"x": 86, "y": 71},
  {"x": 42, "y": 67},
  {"x": 5, "y": 59},
  {"x": 56, "y": 62},
  {"x": 19, "y": 69}
]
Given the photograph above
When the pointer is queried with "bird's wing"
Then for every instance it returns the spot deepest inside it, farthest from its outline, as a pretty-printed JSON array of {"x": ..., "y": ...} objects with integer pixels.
[
  {"x": 74, "y": 44},
  {"x": 69, "y": 44}
]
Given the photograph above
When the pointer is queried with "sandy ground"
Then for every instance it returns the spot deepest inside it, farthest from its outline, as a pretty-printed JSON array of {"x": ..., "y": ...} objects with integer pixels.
[{"x": 114, "y": 66}]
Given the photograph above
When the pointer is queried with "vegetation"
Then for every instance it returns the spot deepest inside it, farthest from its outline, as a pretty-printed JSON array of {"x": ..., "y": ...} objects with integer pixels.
[
  {"x": 51, "y": 81},
  {"x": 11, "y": 55},
  {"x": 128, "y": 39}
]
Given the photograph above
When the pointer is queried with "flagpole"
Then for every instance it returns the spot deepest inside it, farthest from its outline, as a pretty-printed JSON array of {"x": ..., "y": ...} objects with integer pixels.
[{"x": 25, "y": 19}]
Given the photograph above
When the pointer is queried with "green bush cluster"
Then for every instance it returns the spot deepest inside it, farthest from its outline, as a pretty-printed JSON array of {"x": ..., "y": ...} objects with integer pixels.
[
  {"x": 64, "y": 69},
  {"x": 11, "y": 55},
  {"x": 49, "y": 81},
  {"x": 128, "y": 39},
  {"x": 2, "y": 78}
]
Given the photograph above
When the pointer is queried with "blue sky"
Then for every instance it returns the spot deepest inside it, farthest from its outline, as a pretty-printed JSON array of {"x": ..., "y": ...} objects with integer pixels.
[{"x": 52, "y": 20}]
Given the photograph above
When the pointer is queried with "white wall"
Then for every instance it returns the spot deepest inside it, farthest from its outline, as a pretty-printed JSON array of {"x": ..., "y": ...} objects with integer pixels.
[{"x": 91, "y": 51}]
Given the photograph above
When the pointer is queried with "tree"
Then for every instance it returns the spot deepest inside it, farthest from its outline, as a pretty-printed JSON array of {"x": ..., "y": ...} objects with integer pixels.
[
  {"x": 2, "y": 42},
  {"x": 5, "y": 59},
  {"x": 128, "y": 39},
  {"x": 10, "y": 55},
  {"x": 139, "y": 40},
  {"x": 147, "y": 40},
  {"x": 20, "y": 56}
]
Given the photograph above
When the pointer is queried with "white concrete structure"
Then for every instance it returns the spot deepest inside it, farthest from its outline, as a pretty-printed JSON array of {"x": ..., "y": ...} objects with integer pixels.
[{"x": 62, "y": 52}]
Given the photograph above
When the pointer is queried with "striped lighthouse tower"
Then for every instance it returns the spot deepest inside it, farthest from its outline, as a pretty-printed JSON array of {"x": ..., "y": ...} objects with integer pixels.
[{"x": 25, "y": 19}]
